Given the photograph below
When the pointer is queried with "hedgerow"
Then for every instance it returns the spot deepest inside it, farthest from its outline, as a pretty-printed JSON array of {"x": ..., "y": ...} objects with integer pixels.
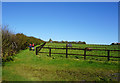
[{"x": 13, "y": 43}]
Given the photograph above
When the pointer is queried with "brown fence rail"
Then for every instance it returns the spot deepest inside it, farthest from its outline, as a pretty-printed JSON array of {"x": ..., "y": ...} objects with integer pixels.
[
  {"x": 85, "y": 50},
  {"x": 73, "y": 46},
  {"x": 39, "y": 48}
]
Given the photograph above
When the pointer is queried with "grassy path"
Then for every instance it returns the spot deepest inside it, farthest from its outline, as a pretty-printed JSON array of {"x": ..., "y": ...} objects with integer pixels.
[
  {"x": 17, "y": 69},
  {"x": 29, "y": 67}
]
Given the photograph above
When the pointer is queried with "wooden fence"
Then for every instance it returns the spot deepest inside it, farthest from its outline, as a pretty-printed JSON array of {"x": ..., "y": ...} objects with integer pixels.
[
  {"x": 85, "y": 50},
  {"x": 39, "y": 48},
  {"x": 73, "y": 46}
]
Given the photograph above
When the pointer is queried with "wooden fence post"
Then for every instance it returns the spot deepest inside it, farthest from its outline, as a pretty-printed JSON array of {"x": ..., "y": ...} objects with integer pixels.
[
  {"x": 85, "y": 53},
  {"x": 36, "y": 50},
  {"x": 50, "y": 52},
  {"x": 108, "y": 55},
  {"x": 66, "y": 51}
]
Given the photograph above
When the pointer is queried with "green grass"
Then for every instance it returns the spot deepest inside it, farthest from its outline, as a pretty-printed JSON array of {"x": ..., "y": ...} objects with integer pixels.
[
  {"x": 29, "y": 67},
  {"x": 93, "y": 52}
]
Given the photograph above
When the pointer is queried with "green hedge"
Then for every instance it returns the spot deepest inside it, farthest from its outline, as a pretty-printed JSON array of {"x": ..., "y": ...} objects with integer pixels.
[{"x": 12, "y": 43}]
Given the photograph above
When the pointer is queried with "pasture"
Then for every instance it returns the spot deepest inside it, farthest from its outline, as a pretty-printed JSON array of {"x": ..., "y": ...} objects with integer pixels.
[
  {"x": 100, "y": 52},
  {"x": 27, "y": 66}
]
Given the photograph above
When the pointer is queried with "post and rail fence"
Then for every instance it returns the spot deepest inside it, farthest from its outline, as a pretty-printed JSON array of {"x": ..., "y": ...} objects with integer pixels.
[
  {"x": 85, "y": 50},
  {"x": 39, "y": 48}
]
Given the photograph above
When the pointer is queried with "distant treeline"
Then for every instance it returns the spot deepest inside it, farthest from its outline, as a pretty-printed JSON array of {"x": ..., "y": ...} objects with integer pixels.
[
  {"x": 12, "y": 43},
  {"x": 115, "y": 44},
  {"x": 73, "y": 42}
]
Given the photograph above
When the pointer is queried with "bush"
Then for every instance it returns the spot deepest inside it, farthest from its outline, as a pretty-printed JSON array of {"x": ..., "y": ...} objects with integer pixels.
[{"x": 12, "y": 43}]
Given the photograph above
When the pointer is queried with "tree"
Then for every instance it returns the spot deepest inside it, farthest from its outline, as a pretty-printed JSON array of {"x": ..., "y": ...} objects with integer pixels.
[{"x": 50, "y": 40}]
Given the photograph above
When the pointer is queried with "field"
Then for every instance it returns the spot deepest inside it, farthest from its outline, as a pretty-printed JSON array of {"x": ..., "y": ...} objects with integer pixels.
[
  {"x": 83, "y": 46},
  {"x": 30, "y": 67}
]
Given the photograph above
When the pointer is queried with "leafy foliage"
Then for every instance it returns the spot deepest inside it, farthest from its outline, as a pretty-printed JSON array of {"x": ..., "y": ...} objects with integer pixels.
[{"x": 12, "y": 43}]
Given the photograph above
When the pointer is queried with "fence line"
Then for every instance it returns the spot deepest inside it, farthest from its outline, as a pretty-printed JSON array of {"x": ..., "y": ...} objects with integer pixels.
[
  {"x": 73, "y": 46},
  {"x": 85, "y": 50},
  {"x": 80, "y": 49},
  {"x": 39, "y": 48}
]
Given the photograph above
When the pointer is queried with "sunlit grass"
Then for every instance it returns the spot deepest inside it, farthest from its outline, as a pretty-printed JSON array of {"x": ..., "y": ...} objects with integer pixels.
[
  {"x": 83, "y": 46},
  {"x": 30, "y": 67}
]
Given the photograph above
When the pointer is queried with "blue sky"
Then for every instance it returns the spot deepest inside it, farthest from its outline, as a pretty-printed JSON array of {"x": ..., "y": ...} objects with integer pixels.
[{"x": 92, "y": 22}]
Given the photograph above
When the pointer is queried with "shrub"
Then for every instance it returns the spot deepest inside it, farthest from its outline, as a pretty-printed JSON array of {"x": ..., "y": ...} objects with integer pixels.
[{"x": 12, "y": 43}]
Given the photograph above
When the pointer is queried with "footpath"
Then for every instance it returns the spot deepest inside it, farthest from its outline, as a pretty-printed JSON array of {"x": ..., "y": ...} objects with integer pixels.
[{"x": 20, "y": 68}]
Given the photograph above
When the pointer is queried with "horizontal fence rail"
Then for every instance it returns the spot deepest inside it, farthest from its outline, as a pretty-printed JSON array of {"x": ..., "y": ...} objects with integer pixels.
[
  {"x": 39, "y": 48},
  {"x": 72, "y": 46},
  {"x": 80, "y": 49},
  {"x": 85, "y": 50}
]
